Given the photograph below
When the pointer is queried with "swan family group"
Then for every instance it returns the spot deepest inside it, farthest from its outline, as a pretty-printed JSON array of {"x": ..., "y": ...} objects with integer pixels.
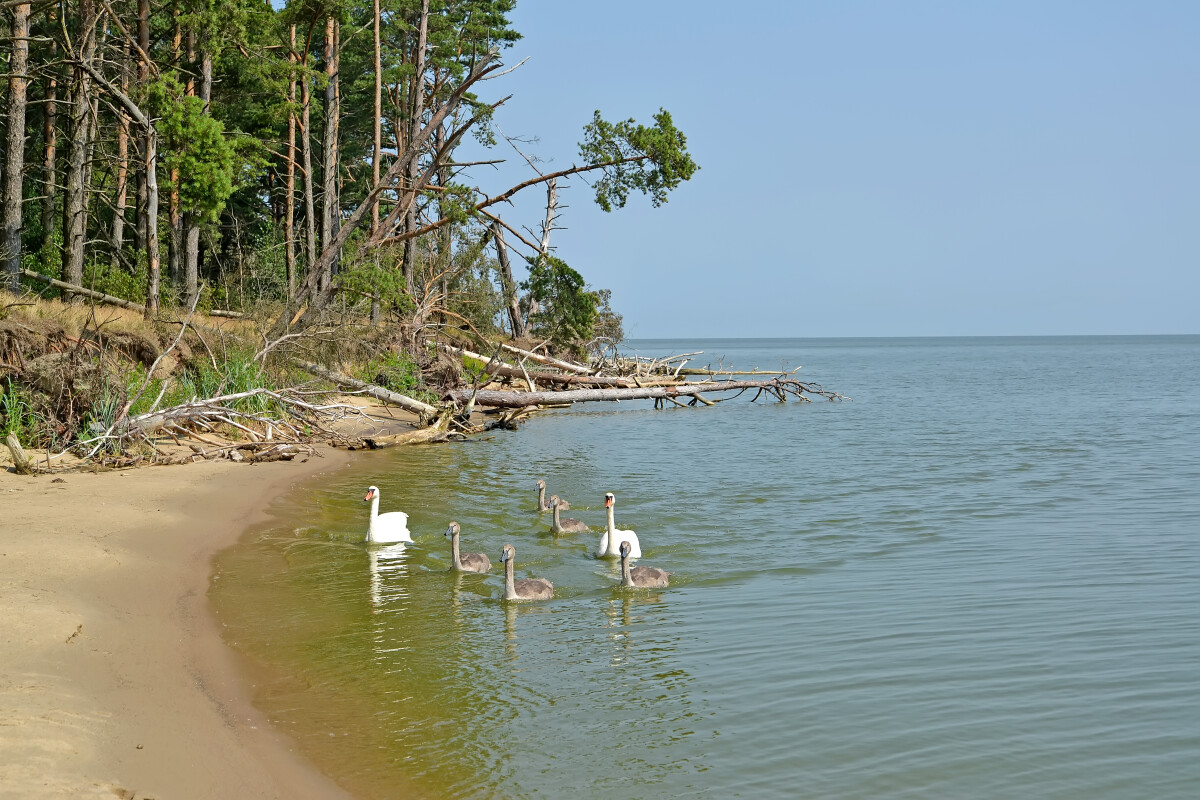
[{"x": 392, "y": 527}]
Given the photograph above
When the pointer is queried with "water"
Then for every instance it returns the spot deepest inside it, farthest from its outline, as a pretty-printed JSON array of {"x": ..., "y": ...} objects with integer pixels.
[{"x": 980, "y": 578}]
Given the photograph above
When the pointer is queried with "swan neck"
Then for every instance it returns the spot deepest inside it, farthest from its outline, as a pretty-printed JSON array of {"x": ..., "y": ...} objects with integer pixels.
[
  {"x": 613, "y": 544},
  {"x": 626, "y": 577},
  {"x": 454, "y": 550},
  {"x": 541, "y": 497},
  {"x": 510, "y": 587},
  {"x": 557, "y": 521},
  {"x": 374, "y": 514}
]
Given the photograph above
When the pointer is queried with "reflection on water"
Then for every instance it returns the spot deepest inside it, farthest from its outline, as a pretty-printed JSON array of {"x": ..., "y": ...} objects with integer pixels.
[{"x": 945, "y": 588}]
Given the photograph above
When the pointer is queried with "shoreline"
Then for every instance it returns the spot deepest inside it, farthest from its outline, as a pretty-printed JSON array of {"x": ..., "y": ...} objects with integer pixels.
[{"x": 117, "y": 682}]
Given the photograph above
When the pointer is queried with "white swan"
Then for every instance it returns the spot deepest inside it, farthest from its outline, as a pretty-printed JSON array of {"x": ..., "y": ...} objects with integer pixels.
[
  {"x": 389, "y": 527},
  {"x": 564, "y": 525},
  {"x": 465, "y": 562},
  {"x": 641, "y": 577},
  {"x": 525, "y": 588},
  {"x": 611, "y": 539}
]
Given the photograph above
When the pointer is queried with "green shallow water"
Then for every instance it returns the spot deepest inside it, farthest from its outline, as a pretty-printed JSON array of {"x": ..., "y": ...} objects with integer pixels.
[{"x": 979, "y": 578}]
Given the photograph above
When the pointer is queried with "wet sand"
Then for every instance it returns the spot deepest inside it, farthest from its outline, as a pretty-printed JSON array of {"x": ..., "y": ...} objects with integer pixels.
[{"x": 114, "y": 680}]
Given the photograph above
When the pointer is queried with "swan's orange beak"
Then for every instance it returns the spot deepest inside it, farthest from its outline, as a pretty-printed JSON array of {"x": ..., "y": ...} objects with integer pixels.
[
  {"x": 608, "y": 501},
  {"x": 370, "y": 494}
]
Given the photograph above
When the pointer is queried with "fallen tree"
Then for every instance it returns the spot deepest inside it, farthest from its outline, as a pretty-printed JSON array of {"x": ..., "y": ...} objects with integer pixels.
[
  {"x": 425, "y": 411},
  {"x": 780, "y": 388},
  {"x": 508, "y": 371}
]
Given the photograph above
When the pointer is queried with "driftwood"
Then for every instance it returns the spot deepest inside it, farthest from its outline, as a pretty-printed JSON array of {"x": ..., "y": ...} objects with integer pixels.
[
  {"x": 780, "y": 388},
  {"x": 437, "y": 431},
  {"x": 263, "y": 430},
  {"x": 422, "y": 436},
  {"x": 423, "y": 410},
  {"x": 20, "y": 461}
]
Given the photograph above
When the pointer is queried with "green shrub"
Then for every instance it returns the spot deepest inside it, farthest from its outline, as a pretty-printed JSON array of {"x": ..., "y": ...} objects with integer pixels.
[{"x": 398, "y": 372}]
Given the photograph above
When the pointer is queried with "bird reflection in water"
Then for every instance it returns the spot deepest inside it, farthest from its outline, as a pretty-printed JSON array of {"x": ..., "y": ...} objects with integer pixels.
[
  {"x": 387, "y": 565},
  {"x": 619, "y": 617}
]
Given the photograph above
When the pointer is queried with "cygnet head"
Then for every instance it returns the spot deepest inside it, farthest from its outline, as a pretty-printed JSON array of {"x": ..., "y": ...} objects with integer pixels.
[
  {"x": 541, "y": 484},
  {"x": 507, "y": 553},
  {"x": 372, "y": 493},
  {"x": 609, "y": 499},
  {"x": 624, "y": 549},
  {"x": 452, "y": 529},
  {"x": 554, "y": 500}
]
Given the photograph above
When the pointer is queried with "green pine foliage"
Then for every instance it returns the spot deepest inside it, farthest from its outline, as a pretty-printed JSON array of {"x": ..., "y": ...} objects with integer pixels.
[
  {"x": 649, "y": 159},
  {"x": 568, "y": 315},
  {"x": 194, "y": 148}
]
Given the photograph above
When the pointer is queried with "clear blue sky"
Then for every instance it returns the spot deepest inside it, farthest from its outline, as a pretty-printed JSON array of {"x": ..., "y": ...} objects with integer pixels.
[{"x": 880, "y": 168}]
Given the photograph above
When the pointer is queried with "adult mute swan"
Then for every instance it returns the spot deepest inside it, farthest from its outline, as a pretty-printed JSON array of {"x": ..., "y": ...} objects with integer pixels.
[
  {"x": 386, "y": 528},
  {"x": 611, "y": 539},
  {"x": 466, "y": 562},
  {"x": 543, "y": 503},
  {"x": 524, "y": 588},
  {"x": 564, "y": 525},
  {"x": 641, "y": 577}
]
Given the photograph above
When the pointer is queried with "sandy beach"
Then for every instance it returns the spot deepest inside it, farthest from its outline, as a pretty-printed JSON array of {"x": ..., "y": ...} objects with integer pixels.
[{"x": 114, "y": 681}]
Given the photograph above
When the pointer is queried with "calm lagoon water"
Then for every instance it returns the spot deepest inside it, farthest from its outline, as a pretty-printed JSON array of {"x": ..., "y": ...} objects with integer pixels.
[{"x": 980, "y": 578}]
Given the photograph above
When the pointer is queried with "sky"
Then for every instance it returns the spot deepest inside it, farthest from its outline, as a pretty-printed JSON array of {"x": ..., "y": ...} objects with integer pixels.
[{"x": 874, "y": 168}]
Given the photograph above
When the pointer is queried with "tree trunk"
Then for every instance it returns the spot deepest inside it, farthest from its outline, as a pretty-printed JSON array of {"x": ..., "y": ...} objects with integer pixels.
[
  {"x": 118, "y": 228},
  {"x": 544, "y": 246},
  {"x": 424, "y": 410},
  {"x": 310, "y": 220},
  {"x": 377, "y": 130},
  {"x": 74, "y": 206},
  {"x": 778, "y": 388},
  {"x": 329, "y": 208},
  {"x": 377, "y": 138},
  {"x": 509, "y": 371},
  {"x": 289, "y": 212},
  {"x": 174, "y": 214},
  {"x": 508, "y": 284},
  {"x": 93, "y": 136},
  {"x": 143, "y": 76},
  {"x": 551, "y": 214},
  {"x": 50, "y": 141},
  {"x": 14, "y": 168},
  {"x": 151, "y": 166},
  {"x": 191, "y": 253},
  {"x": 418, "y": 111}
]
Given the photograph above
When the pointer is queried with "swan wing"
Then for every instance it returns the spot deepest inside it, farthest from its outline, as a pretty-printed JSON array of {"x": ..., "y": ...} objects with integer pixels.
[
  {"x": 474, "y": 562},
  {"x": 649, "y": 576},
  {"x": 390, "y": 527},
  {"x": 535, "y": 588}
]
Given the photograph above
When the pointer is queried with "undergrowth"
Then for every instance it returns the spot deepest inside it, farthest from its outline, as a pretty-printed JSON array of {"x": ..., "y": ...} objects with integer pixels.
[{"x": 398, "y": 372}]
